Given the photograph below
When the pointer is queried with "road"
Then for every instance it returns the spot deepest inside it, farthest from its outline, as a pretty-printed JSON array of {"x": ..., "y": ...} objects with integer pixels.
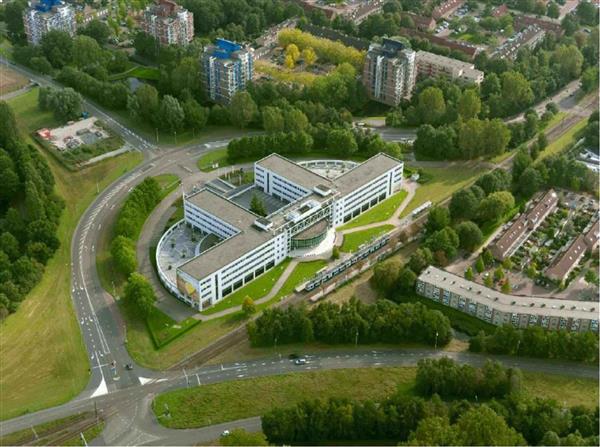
[
  {"x": 134, "y": 423},
  {"x": 128, "y": 392}
]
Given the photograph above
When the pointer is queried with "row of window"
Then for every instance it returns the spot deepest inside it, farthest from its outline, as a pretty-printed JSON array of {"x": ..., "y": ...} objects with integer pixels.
[{"x": 209, "y": 223}]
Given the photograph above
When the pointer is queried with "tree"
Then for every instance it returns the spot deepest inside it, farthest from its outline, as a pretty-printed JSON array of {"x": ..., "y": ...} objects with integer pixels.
[
  {"x": 553, "y": 10},
  {"x": 257, "y": 206},
  {"x": 497, "y": 180},
  {"x": 66, "y": 103},
  {"x": 10, "y": 178},
  {"x": 97, "y": 30},
  {"x": 587, "y": 13},
  {"x": 406, "y": 280},
  {"x": 342, "y": 142},
  {"x": 186, "y": 77},
  {"x": 529, "y": 182},
  {"x": 57, "y": 47},
  {"x": 434, "y": 431},
  {"x": 13, "y": 16},
  {"x": 308, "y": 56},
  {"x": 196, "y": 116},
  {"x": 139, "y": 293},
  {"x": 248, "y": 306},
  {"x": 420, "y": 259},
  {"x": 591, "y": 277},
  {"x": 445, "y": 241},
  {"x": 431, "y": 105},
  {"x": 505, "y": 288},
  {"x": 272, "y": 119},
  {"x": 385, "y": 275},
  {"x": 288, "y": 62},
  {"x": 242, "y": 109},
  {"x": 469, "y": 104},
  {"x": 470, "y": 235},
  {"x": 521, "y": 161},
  {"x": 482, "y": 426},
  {"x": 438, "y": 218},
  {"x": 487, "y": 257},
  {"x": 171, "y": 113},
  {"x": 292, "y": 51},
  {"x": 464, "y": 204},
  {"x": 479, "y": 265},
  {"x": 469, "y": 274},
  {"x": 122, "y": 250},
  {"x": 589, "y": 79},
  {"x": 567, "y": 60},
  {"x": 516, "y": 91},
  {"x": 498, "y": 274},
  {"x": 86, "y": 51},
  {"x": 146, "y": 104}
]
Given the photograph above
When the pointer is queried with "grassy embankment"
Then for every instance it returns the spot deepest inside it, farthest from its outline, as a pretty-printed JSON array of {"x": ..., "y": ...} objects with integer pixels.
[
  {"x": 142, "y": 348},
  {"x": 353, "y": 241},
  {"x": 42, "y": 357},
  {"x": 379, "y": 213},
  {"x": 228, "y": 401}
]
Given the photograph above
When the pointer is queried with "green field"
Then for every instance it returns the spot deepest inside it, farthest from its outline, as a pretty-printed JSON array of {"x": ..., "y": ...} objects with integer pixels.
[
  {"x": 380, "y": 212},
  {"x": 257, "y": 289},
  {"x": 353, "y": 241},
  {"x": 563, "y": 141},
  {"x": 442, "y": 183},
  {"x": 42, "y": 357},
  {"x": 206, "y": 162},
  {"x": 140, "y": 72},
  {"x": 228, "y": 401}
]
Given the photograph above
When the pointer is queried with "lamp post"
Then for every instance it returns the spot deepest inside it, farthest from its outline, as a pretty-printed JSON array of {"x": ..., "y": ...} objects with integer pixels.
[{"x": 436, "y": 337}]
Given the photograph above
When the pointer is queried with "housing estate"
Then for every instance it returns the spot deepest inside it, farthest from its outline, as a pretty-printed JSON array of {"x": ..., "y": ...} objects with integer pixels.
[{"x": 524, "y": 225}]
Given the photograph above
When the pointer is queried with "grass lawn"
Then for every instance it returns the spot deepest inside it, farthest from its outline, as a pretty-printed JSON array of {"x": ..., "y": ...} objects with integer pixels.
[
  {"x": 554, "y": 120},
  {"x": 29, "y": 117},
  {"x": 380, "y": 212},
  {"x": 354, "y": 240},
  {"x": 442, "y": 183},
  {"x": 163, "y": 329},
  {"x": 43, "y": 361},
  {"x": 206, "y": 162},
  {"x": 138, "y": 71},
  {"x": 563, "y": 141},
  {"x": 167, "y": 182},
  {"x": 258, "y": 288},
  {"x": 223, "y": 402}
]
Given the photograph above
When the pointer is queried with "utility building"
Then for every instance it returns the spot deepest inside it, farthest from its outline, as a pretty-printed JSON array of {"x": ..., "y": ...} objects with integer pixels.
[
  {"x": 226, "y": 69},
  {"x": 46, "y": 15},
  {"x": 390, "y": 72}
]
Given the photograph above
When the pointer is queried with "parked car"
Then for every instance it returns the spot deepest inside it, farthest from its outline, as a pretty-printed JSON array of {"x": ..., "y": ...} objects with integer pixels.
[{"x": 300, "y": 361}]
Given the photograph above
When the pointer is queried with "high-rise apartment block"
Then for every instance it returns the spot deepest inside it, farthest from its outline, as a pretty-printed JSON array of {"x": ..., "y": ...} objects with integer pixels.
[
  {"x": 168, "y": 23},
  {"x": 46, "y": 15},
  {"x": 389, "y": 73},
  {"x": 226, "y": 68}
]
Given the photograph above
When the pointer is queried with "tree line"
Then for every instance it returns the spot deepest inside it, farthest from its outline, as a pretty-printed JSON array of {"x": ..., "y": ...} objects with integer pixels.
[
  {"x": 130, "y": 220},
  {"x": 352, "y": 322},
  {"x": 510, "y": 418},
  {"x": 534, "y": 341},
  {"x": 30, "y": 211}
]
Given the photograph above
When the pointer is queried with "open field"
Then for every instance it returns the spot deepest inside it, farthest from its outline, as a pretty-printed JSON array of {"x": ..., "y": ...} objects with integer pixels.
[
  {"x": 10, "y": 80},
  {"x": 255, "y": 290},
  {"x": 442, "y": 183},
  {"x": 34, "y": 375},
  {"x": 380, "y": 212},
  {"x": 354, "y": 240},
  {"x": 222, "y": 402},
  {"x": 29, "y": 117}
]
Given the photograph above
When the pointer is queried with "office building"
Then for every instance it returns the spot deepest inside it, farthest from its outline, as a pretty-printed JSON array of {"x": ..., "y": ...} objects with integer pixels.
[
  {"x": 390, "y": 72},
  {"x": 226, "y": 69},
  {"x": 168, "y": 23},
  {"x": 520, "y": 229},
  {"x": 45, "y": 15},
  {"x": 499, "y": 308},
  {"x": 434, "y": 65},
  {"x": 250, "y": 245}
]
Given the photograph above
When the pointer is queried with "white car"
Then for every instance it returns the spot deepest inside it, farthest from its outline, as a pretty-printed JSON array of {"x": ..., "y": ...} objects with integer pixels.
[{"x": 225, "y": 433}]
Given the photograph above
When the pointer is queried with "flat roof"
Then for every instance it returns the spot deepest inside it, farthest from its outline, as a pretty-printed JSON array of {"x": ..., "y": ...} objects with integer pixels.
[
  {"x": 293, "y": 171},
  {"x": 231, "y": 248},
  {"x": 504, "y": 303},
  {"x": 365, "y": 172}
]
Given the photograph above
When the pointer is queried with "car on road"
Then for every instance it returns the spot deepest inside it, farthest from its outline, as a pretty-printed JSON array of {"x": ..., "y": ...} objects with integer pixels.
[
  {"x": 225, "y": 433},
  {"x": 129, "y": 367},
  {"x": 300, "y": 361}
]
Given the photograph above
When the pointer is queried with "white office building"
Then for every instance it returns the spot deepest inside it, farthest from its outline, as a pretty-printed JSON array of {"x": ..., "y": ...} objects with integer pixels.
[{"x": 250, "y": 245}]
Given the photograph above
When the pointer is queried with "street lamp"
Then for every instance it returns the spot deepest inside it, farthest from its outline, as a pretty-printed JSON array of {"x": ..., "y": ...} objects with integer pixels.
[
  {"x": 436, "y": 337},
  {"x": 356, "y": 339}
]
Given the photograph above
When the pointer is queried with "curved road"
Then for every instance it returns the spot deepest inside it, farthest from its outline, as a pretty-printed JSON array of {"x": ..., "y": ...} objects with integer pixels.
[{"x": 127, "y": 394}]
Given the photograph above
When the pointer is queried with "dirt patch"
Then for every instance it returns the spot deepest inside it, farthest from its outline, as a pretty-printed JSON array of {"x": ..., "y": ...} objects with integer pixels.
[{"x": 10, "y": 80}]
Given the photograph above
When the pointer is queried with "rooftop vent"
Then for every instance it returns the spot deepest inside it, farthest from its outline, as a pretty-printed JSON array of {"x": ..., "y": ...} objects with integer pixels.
[{"x": 263, "y": 224}]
